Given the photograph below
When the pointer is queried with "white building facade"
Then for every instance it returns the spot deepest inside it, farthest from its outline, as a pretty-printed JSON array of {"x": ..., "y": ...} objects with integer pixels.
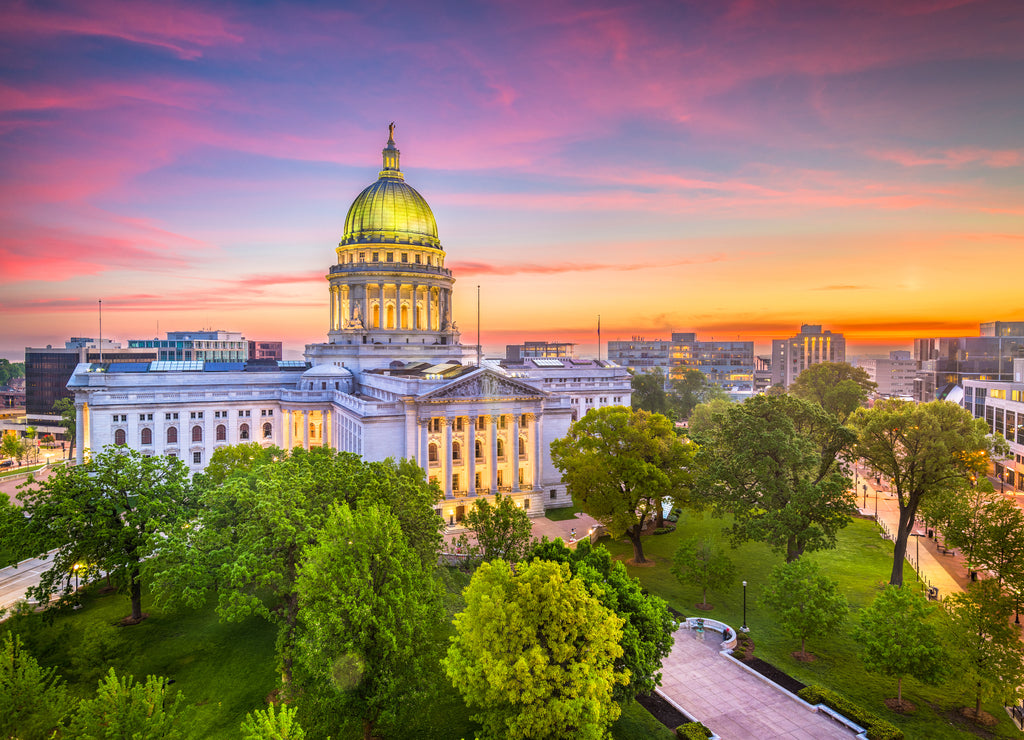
[{"x": 393, "y": 379}]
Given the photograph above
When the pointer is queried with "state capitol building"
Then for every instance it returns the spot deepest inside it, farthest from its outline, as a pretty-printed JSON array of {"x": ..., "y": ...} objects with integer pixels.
[{"x": 392, "y": 380}]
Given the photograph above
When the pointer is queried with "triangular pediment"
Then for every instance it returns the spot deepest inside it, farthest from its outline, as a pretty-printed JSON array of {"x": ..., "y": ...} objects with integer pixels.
[{"x": 484, "y": 385}]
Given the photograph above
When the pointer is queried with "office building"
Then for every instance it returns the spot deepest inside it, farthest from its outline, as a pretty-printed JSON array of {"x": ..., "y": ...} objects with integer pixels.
[{"x": 811, "y": 346}]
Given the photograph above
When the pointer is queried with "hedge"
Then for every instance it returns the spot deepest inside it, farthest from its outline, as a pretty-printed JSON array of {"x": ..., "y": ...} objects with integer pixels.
[
  {"x": 693, "y": 731},
  {"x": 877, "y": 728}
]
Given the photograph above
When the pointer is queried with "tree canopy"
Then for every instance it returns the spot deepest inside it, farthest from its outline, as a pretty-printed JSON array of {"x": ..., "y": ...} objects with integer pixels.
[
  {"x": 837, "y": 387},
  {"x": 10, "y": 370},
  {"x": 649, "y": 392},
  {"x": 368, "y": 611},
  {"x": 106, "y": 513},
  {"x": 899, "y": 638},
  {"x": 33, "y": 701},
  {"x": 689, "y": 390},
  {"x": 534, "y": 654},
  {"x": 704, "y": 564},
  {"x": 808, "y": 603},
  {"x": 774, "y": 463},
  {"x": 123, "y": 708},
  {"x": 988, "y": 647},
  {"x": 248, "y": 541},
  {"x": 500, "y": 530},
  {"x": 619, "y": 465},
  {"x": 925, "y": 450},
  {"x": 647, "y": 625}
]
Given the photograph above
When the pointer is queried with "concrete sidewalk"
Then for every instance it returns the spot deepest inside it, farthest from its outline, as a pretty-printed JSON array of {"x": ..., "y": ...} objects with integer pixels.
[
  {"x": 731, "y": 701},
  {"x": 15, "y": 580},
  {"x": 947, "y": 572}
]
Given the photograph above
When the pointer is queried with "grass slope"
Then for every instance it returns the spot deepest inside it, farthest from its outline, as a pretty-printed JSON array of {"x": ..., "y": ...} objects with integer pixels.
[
  {"x": 861, "y": 564},
  {"x": 225, "y": 671}
]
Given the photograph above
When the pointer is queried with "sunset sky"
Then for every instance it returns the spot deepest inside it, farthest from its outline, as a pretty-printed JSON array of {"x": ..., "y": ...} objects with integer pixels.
[{"x": 730, "y": 168}]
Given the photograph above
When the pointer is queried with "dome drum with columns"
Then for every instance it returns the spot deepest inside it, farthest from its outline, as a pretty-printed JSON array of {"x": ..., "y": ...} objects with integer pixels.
[{"x": 390, "y": 285}]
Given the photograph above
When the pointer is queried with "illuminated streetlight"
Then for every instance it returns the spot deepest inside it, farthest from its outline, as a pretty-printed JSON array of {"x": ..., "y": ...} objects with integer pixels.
[{"x": 744, "y": 628}]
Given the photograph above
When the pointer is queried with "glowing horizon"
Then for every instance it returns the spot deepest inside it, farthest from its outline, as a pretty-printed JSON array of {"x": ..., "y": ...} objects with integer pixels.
[{"x": 732, "y": 169}]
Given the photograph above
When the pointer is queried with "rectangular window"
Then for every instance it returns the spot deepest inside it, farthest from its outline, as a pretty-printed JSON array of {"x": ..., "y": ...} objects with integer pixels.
[
  {"x": 417, "y": 259},
  {"x": 458, "y": 423},
  {"x": 405, "y": 256},
  {"x": 142, "y": 417},
  {"x": 362, "y": 256},
  {"x": 455, "y": 481},
  {"x": 376, "y": 256},
  {"x": 391, "y": 256},
  {"x": 197, "y": 458},
  {"x": 554, "y": 493},
  {"x": 526, "y": 504}
]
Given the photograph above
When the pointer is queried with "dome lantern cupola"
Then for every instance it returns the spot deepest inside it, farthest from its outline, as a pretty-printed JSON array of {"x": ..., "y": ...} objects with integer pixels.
[{"x": 391, "y": 153}]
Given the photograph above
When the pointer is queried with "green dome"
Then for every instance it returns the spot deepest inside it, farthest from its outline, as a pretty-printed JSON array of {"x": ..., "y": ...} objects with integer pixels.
[{"x": 390, "y": 212}]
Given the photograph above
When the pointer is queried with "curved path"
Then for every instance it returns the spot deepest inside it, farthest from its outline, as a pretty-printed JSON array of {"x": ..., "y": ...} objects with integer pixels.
[{"x": 734, "y": 703}]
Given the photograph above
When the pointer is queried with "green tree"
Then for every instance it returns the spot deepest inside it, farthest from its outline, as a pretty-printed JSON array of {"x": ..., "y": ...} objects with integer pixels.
[
  {"x": 500, "y": 530},
  {"x": 533, "y": 655},
  {"x": 619, "y": 465},
  {"x": 268, "y": 724},
  {"x": 106, "y": 512},
  {"x": 837, "y": 387},
  {"x": 68, "y": 419},
  {"x": 647, "y": 624},
  {"x": 774, "y": 463},
  {"x": 898, "y": 638},
  {"x": 12, "y": 446},
  {"x": 926, "y": 450},
  {"x": 704, "y": 564},
  {"x": 236, "y": 460},
  {"x": 33, "y": 702},
  {"x": 991, "y": 655},
  {"x": 1000, "y": 546},
  {"x": 368, "y": 610},
  {"x": 706, "y": 417},
  {"x": 649, "y": 392},
  {"x": 30, "y": 432},
  {"x": 123, "y": 708},
  {"x": 690, "y": 390},
  {"x": 248, "y": 541},
  {"x": 10, "y": 370},
  {"x": 808, "y": 603}
]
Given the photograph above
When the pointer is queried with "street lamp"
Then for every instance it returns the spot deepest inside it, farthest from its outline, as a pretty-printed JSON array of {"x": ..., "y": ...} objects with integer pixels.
[
  {"x": 865, "y": 506},
  {"x": 918, "y": 536},
  {"x": 744, "y": 628},
  {"x": 876, "y": 500}
]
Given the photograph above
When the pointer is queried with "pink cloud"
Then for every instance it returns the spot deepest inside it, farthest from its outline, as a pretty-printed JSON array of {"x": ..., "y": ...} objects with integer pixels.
[
  {"x": 468, "y": 268},
  {"x": 185, "y": 31},
  {"x": 954, "y": 158}
]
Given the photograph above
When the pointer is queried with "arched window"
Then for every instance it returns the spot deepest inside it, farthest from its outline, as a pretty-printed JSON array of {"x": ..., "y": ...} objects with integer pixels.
[
  {"x": 172, "y": 435},
  {"x": 432, "y": 453},
  {"x": 268, "y": 430},
  {"x": 222, "y": 433},
  {"x": 501, "y": 447},
  {"x": 197, "y": 433},
  {"x": 456, "y": 451},
  {"x": 120, "y": 437},
  {"x": 243, "y": 431},
  {"x": 522, "y": 447},
  {"x": 479, "y": 449},
  {"x": 147, "y": 436}
]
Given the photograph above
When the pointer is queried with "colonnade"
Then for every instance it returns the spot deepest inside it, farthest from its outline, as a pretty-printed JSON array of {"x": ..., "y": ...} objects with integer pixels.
[
  {"x": 438, "y": 438},
  {"x": 383, "y": 305},
  {"x": 306, "y": 428}
]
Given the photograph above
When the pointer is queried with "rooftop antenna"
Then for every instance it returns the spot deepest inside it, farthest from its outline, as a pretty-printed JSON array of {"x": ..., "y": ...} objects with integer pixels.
[
  {"x": 101, "y": 331},
  {"x": 599, "y": 337},
  {"x": 479, "y": 347}
]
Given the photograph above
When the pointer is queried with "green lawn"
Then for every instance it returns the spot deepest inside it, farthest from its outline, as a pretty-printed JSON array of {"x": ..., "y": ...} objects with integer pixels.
[
  {"x": 861, "y": 564},
  {"x": 561, "y": 515},
  {"x": 19, "y": 471},
  {"x": 227, "y": 670}
]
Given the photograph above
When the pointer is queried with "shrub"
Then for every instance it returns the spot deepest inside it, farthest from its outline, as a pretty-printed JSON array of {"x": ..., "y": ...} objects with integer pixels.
[
  {"x": 693, "y": 731},
  {"x": 877, "y": 728},
  {"x": 663, "y": 530}
]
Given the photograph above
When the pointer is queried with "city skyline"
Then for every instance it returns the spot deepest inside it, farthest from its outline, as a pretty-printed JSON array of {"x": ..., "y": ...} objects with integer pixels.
[{"x": 729, "y": 169}]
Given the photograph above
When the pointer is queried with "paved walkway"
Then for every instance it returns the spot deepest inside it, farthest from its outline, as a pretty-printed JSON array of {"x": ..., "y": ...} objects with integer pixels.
[
  {"x": 948, "y": 573},
  {"x": 733, "y": 702}
]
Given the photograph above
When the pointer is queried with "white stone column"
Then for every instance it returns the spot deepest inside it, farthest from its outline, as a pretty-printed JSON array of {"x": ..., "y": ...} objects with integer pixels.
[
  {"x": 538, "y": 463},
  {"x": 472, "y": 456},
  {"x": 305, "y": 429},
  {"x": 380, "y": 302},
  {"x": 334, "y": 307},
  {"x": 366, "y": 306},
  {"x": 447, "y": 457},
  {"x": 424, "y": 437},
  {"x": 79, "y": 432},
  {"x": 415, "y": 306},
  {"x": 430, "y": 299},
  {"x": 515, "y": 450},
  {"x": 494, "y": 453}
]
